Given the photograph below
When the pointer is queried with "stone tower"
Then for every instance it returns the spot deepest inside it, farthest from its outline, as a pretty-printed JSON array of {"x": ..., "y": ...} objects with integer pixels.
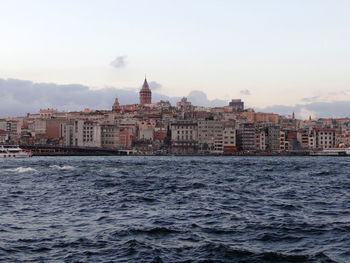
[
  {"x": 145, "y": 94},
  {"x": 116, "y": 106}
]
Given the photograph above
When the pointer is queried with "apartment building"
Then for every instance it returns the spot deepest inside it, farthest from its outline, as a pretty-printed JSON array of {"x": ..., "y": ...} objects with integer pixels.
[
  {"x": 210, "y": 136},
  {"x": 246, "y": 137},
  {"x": 325, "y": 138},
  {"x": 184, "y": 136}
]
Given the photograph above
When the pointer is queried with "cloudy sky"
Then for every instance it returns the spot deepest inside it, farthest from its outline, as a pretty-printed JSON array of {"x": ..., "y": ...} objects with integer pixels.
[{"x": 275, "y": 55}]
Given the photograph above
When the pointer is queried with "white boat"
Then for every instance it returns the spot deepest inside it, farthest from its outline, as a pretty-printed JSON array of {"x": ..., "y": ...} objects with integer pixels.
[
  {"x": 333, "y": 151},
  {"x": 12, "y": 151}
]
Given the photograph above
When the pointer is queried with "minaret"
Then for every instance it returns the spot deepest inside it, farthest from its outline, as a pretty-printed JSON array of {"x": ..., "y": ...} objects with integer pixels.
[{"x": 145, "y": 94}]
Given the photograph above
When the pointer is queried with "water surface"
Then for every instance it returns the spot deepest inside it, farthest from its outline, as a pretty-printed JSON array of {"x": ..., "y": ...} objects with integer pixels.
[{"x": 175, "y": 209}]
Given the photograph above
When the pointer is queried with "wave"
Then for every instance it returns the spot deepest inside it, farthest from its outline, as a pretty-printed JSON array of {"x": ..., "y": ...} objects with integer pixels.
[
  {"x": 227, "y": 253},
  {"x": 155, "y": 231},
  {"x": 62, "y": 168},
  {"x": 21, "y": 170}
]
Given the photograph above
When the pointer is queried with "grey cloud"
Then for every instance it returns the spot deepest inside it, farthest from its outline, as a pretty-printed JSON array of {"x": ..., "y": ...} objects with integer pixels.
[
  {"x": 332, "y": 95},
  {"x": 18, "y": 97},
  {"x": 245, "y": 92},
  {"x": 199, "y": 98},
  {"x": 311, "y": 99},
  {"x": 342, "y": 93},
  {"x": 155, "y": 85},
  {"x": 336, "y": 109},
  {"x": 119, "y": 62}
]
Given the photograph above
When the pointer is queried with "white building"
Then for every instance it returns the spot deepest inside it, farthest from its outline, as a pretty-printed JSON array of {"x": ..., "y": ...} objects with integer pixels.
[
  {"x": 325, "y": 138},
  {"x": 86, "y": 133}
]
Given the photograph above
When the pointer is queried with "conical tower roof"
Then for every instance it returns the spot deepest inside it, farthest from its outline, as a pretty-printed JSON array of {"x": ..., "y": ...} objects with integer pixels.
[{"x": 145, "y": 86}]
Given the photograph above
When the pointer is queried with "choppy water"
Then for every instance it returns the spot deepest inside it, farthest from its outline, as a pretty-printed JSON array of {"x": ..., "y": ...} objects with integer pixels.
[{"x": 175, "y": 209}]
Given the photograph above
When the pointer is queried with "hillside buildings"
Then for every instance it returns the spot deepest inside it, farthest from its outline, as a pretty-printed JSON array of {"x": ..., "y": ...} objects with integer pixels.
[{"x": 160, "y": 128}]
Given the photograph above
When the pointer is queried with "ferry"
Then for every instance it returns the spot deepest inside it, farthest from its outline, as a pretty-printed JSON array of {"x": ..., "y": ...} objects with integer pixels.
[
  {"x": 12, "y": 151},
  {"x": 332, "y": 152}
]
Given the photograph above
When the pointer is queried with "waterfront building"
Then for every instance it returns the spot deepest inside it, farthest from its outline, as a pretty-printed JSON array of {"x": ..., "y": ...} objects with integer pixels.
[
  {"x": 229, "y": 138},
  {"x": 109, "y": 136},
  {"x": 342, "y": 140},
  {"x": 325, "y": 138},
  {"x": 4, "y": 137},
  {"x": 312, "y": 140},
  {"x": 260, "y": 135},
  {"x": 273, "y": 143},
  {"x": 303, "y": 138},
  {"x": 146, "y": 134},
  {"x": 184, "y": 139},
  {"x": 284, "y": 144},
  {"x": 125, "y": 137},
  {"x": 182, "y": 129},
  {"x": 66, "y": 131},
  {"x": 86, "y": 133},
  {"x": 210, "y": 136},
  {"x": 37, "y": 126},
  {"x": 246, "y": 137}
]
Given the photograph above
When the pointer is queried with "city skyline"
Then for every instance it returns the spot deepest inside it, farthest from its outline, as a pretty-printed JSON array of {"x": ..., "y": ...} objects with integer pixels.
[
  {"x": 251, "y": 50},
  {"x": 19, "y": 97}
]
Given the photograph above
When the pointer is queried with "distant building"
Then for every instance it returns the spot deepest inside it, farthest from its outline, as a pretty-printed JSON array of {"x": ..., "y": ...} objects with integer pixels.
[
  {"x": 116, "y": 106},
  {"x": 237, "y": 105},
  {"x": 184, "y": 104},
  {"x": 145, "y": 94}
]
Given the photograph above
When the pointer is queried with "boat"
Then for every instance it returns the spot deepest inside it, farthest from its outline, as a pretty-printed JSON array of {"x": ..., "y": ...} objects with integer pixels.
[
  {"x": 332, "y": 152},
  {"x": 13, "y": 151}
]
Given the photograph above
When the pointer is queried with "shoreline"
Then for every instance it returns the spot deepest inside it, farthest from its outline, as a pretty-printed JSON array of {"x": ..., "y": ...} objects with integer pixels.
[{"x": 187, "y": 155}]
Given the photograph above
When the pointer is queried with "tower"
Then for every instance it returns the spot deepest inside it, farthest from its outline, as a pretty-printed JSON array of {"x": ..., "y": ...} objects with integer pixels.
[
  {"x": 145, "y": 94},
  {"x": 116, "y": 107}
]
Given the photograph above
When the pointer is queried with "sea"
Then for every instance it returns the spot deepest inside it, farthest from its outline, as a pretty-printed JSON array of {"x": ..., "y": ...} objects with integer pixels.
[{"x": 175, "y": 209}]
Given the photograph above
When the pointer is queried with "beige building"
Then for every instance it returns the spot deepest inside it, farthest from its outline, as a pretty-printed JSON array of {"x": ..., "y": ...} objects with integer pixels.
[
  {"x": 303, "y": 138},
  {"x": 109, "y": 136},
  {"x": 260, "y": 139},
  {"x": 210, "y": 136},
  {"x": 184, "y": 137},
  {"x": 229, "y": 138}
]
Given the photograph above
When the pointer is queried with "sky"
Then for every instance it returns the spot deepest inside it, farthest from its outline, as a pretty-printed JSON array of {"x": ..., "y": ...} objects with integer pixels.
[{"x": 274, "y": 55}]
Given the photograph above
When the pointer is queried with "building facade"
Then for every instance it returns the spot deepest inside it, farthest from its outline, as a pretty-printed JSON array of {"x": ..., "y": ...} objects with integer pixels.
[{"x": 184, "y": 139}]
